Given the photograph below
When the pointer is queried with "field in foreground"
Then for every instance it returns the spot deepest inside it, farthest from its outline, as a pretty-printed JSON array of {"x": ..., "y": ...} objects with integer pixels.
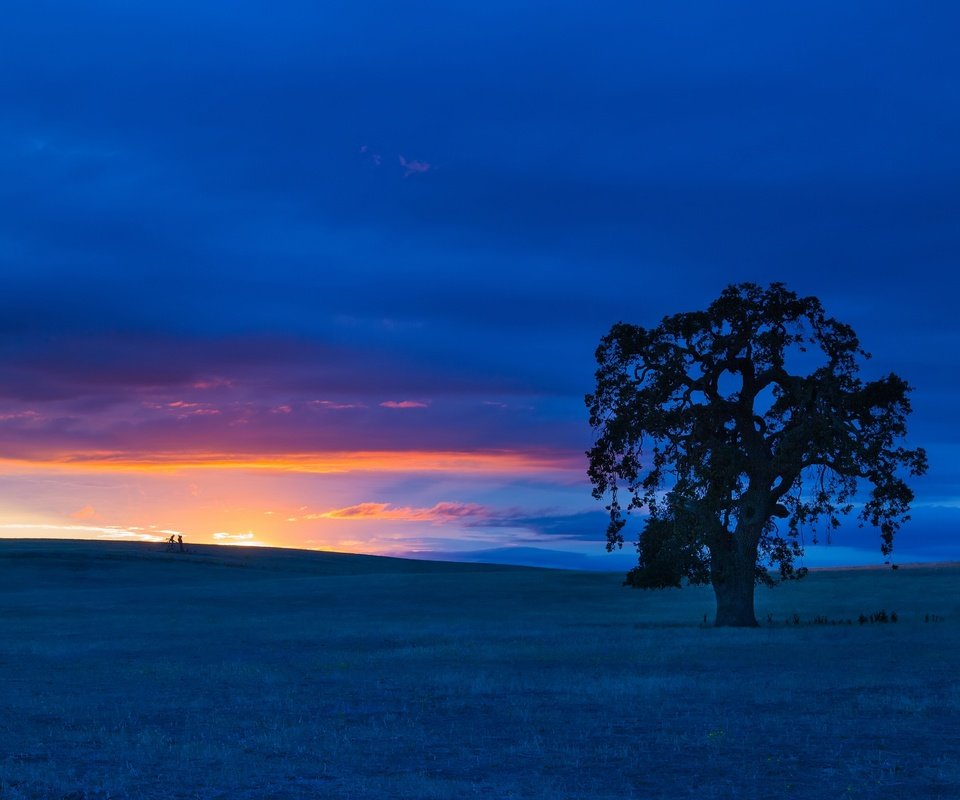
[{"x": 127, "y": 672}]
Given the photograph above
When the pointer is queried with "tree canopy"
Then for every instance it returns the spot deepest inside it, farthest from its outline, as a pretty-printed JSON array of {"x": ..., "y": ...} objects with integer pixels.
[{"x": 736, "y": 430}]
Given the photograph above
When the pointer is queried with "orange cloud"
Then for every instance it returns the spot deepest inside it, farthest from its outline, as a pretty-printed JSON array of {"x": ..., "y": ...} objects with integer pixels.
[
  {"x": 497, "y": 462},
  {"x": 87, "y": 512}
]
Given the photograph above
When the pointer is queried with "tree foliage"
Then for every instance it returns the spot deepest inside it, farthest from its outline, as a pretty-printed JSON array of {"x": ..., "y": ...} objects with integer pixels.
[{"x": 719, "y": 423}]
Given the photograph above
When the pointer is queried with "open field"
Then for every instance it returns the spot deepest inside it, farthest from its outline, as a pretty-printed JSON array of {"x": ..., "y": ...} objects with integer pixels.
[{"x": 127, "y": 672}]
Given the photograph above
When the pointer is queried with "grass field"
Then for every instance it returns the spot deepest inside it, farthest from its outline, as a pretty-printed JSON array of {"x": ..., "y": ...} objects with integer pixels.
[{"x": 128, "y": 672}]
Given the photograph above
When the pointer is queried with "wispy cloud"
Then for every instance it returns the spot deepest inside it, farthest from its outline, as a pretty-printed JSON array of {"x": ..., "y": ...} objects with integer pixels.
[
  {"x": 403, "y": 404},
  {"x": 526, "y": 525},
  {"x": 40, "y": 530},
  {"x": 334, "y": 406},
  {"x": 439, "y": 513},
  {"x": 183, "y": 409},
  {"x": 213, "y": 383},
  {"x": 413, "y": 167},
  {"x": 248, "y": 539},
  {"x": 375, "y": 158},
  {"x": 22, "y": 416},
  {"x": 588, "y": 526}
]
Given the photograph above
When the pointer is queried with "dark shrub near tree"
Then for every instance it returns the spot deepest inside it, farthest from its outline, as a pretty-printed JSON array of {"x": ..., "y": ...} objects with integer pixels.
[{"x": 734, "y": 429}]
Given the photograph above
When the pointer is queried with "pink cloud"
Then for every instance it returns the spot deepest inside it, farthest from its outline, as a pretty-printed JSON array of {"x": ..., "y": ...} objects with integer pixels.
[
  {"x": 441, "y": 512},
  {"x": 213, "y": 383},
  {"x": 403, "y": 404},
  {"x": 28, "y": 416},
  {"x": 412, "y": 167},
  {"x": 185, "y": 409}
]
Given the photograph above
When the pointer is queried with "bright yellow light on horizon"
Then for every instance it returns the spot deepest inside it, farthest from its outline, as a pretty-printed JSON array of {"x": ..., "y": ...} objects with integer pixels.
[{"x": 326, "y": 501}]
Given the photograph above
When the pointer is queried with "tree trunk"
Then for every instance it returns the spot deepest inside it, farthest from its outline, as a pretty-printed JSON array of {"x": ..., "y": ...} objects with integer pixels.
[
  {"x": 735, "y": 603},
  {"x": 732, "y": 574}
]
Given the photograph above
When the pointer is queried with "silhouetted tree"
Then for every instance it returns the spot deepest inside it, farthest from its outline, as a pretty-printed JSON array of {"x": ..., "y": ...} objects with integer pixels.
[{"x": 717, "y": 423}]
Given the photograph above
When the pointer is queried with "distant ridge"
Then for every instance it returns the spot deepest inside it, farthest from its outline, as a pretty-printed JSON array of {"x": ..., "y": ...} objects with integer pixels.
[
  {"x": 905, "y": 565},
  {"x": 541, "y": 557},
  {"x": 267, "y": 559},
  {"x": 294, "y": 561}
]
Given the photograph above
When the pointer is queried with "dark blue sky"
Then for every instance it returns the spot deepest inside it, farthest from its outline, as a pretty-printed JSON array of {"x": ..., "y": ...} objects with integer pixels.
[{"x": 209, "y": 212}]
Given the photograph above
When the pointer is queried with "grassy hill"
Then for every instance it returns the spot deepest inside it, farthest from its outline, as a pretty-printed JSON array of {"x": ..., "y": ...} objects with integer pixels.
[
  {"x": 64, "y": 563},
  {"x": 248, "y": 673}
]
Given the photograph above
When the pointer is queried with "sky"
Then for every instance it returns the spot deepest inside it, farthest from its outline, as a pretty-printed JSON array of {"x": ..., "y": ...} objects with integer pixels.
[{"x": 331, "y": 275}]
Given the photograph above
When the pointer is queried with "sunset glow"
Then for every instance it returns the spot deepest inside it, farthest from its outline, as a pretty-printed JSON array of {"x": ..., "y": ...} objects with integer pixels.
[
  {"x": 463, "y": 463},
  {"x": 331, "y": 501}
]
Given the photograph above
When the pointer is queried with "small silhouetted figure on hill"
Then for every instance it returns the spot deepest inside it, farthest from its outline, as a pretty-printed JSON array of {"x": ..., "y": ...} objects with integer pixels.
[
  {"x": 180, "y": 542},
  {"x": 171, "y": 542}
]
